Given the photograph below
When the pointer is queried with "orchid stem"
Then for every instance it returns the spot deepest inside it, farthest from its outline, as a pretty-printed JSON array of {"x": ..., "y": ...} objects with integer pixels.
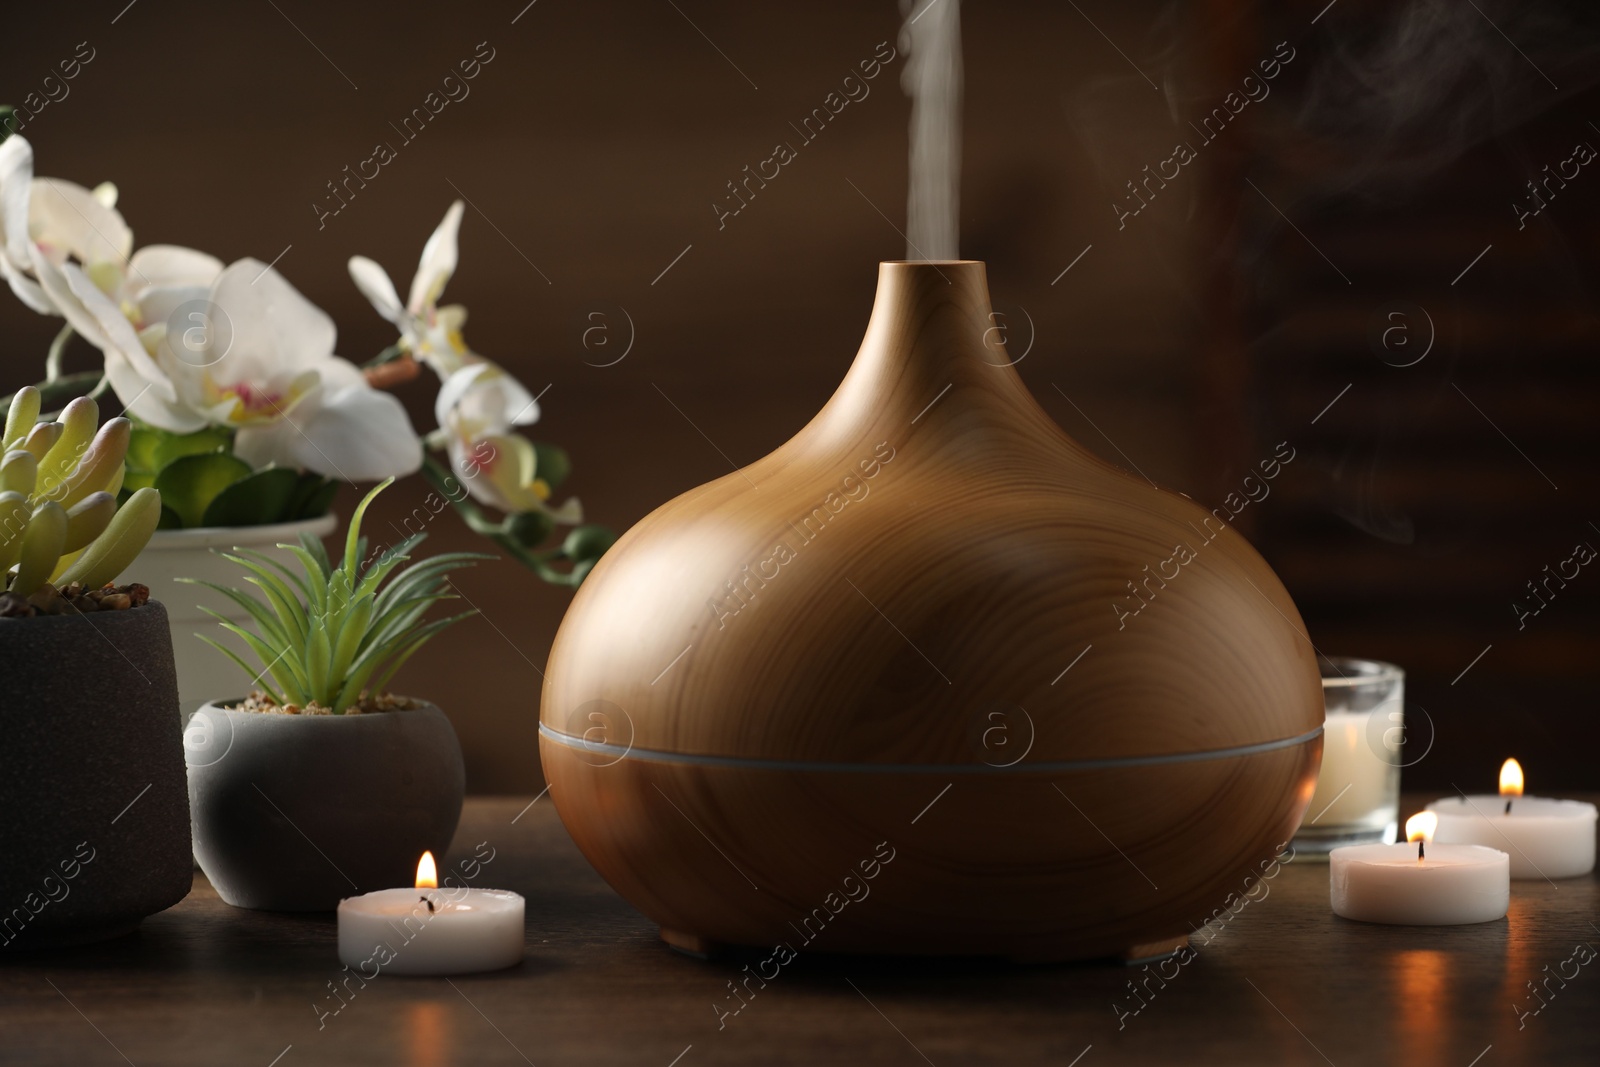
[
  {"x": 58, "y": 349},
  {"x": 388, "y": 355},
  {"x": 445, "y": 482},
  {"x": 55, "y": 394}
]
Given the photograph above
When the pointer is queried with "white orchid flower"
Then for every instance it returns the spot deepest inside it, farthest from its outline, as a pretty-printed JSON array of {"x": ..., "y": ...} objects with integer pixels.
[
  {"x": 267, "y": 367},
  {"x": 477, "y": 406},
  {"x": 66, "y": 252},
  {"x": 428, "y": 332},
  {"x": 261, "y": 362},
  {"x": 48, "y": 221}
]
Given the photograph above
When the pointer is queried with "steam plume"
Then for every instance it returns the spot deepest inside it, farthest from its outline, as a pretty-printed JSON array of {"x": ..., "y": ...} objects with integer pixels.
[{"x": 932, "y": 78}]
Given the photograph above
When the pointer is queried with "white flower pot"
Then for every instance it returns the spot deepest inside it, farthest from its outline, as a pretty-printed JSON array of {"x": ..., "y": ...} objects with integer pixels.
[{"x": 203, "y": 672}]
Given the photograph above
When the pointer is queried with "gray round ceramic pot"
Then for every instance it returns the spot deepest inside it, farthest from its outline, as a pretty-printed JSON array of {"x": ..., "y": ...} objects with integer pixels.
[
  {"x": 295, "y": 812},
  {"x": 96, "y": 815}
]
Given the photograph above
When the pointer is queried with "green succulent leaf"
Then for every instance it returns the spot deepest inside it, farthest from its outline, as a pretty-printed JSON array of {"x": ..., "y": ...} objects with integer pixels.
[
  {"x": 318, "y": 552},
  {"x": 41, "y": 547},
  {"x": 189, "y": 485},
  {"x": 255, "y": 676},
  {"x": 290, "y": 613},
  {"x": 297, "y": 580},
  {"x": 271, "y": 657},
  {"x": 19, "y": 471},
  {"x": 124, "y": 538},
  {"x": 14, "y": 513},
  {"x": 340, "y": 631},
  {"x": 88, "y": 518},
  {"x": 271, "y": 625},
  {"x": 352, "y": 540},
  {"x": 20, "y": 416}
]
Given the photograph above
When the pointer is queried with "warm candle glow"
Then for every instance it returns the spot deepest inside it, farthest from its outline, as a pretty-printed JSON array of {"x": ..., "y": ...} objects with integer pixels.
[
  {"x": 428, "y": 874},
  {"x": 1511, "y": 778},
  {"x": 1421, "y": 826}
]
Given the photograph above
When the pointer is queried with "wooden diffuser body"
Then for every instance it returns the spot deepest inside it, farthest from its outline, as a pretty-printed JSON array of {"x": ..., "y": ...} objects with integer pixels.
[{"x": 886, "y": 689}]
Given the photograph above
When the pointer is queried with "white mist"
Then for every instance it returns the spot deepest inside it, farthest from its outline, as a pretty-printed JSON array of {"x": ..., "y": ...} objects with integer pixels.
[{"x": 931, "y": 36}]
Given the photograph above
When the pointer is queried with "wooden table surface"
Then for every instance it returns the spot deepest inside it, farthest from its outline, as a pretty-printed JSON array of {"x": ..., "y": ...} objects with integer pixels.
[{"x": 1279, "y": 981}]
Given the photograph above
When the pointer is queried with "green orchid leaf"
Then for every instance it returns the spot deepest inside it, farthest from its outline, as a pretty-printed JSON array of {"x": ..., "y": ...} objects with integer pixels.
[
  {"x": 137, "y": 479},
  {"x": 189, "y": 485},
  {"x": 312, "y": 498},
  {"x": 256, "y": 500},
  {"x": 143, "y": 444},
  {"x": 167, "y": 448}
]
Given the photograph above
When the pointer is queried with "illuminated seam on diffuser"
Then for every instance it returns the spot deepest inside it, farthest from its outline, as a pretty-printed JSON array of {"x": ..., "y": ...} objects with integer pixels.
[{"x": 651, "y": 756}]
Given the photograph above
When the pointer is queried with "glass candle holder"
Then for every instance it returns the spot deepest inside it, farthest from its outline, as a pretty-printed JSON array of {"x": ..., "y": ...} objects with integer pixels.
[{"x": 1358, "y": 789}]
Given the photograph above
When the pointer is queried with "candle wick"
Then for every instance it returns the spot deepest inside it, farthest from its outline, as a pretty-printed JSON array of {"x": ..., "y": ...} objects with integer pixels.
[
  {"x": 429, "y": 903},
  {"x": 1420, "y": 843},
  {"x": 1508, "y": 807}
]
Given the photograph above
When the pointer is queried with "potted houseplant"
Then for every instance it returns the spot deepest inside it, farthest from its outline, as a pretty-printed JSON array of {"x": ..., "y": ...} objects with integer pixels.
[
  {"x": 320, "y": 783},
  {"x": 91, "y": 768},
  {"x": 242, "y": 414}
]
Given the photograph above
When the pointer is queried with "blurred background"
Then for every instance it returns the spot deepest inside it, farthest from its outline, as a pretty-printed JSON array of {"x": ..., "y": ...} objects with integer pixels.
[{"x": 1353, "y": 262}]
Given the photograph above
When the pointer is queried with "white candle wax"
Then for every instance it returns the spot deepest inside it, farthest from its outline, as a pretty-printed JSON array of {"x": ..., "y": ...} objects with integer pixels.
[
  {"x": 392, "y": 931},
  {"x": 1358, "y": 785},
  {"x": 1546, "y": 838},
  {"x": 1386, "y": 884}
]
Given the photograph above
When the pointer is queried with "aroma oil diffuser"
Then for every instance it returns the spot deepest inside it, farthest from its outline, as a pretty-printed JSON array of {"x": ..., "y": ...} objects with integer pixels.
[{"x": 883, "y": 689}]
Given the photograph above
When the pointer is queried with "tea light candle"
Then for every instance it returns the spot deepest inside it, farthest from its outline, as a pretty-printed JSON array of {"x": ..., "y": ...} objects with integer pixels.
[
  {"x": 1546, "y": 838},
  {"x": 428, "y": 930},
  {"x": 1420, "y": 884}
]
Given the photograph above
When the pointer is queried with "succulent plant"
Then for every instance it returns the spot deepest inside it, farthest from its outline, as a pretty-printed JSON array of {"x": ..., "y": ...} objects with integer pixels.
[
  {"x": 337, "y": 631},
  {"x": 59, "y": 519}
]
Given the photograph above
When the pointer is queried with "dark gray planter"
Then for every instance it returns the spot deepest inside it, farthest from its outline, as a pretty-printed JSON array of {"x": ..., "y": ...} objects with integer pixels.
[
  {"x": 93, "y": 806},
  {"x": 295, "y": 812}
]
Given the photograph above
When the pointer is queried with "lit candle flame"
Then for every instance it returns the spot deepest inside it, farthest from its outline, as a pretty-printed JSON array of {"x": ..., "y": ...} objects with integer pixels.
[
  {"x": 1511, "y": 778},
  {"x": 1420, "y": 828},
  {"x": 428, "y": 873}
]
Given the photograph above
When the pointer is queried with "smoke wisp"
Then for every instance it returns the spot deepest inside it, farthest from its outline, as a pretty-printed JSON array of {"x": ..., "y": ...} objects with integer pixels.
[{"x": 932, "y": 78}]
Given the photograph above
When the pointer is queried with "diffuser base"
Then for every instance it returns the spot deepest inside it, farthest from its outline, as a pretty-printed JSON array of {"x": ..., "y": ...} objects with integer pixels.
[
  {"x": 703, "y": 948},
  {"x": 693, "y": 944},
  {"x": 1154, "y": 950}
]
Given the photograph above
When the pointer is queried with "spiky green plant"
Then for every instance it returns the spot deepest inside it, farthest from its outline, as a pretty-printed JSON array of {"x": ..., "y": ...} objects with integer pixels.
[
  {"x": 59, "y": 519},
  {"x": 329, "y": 635}
]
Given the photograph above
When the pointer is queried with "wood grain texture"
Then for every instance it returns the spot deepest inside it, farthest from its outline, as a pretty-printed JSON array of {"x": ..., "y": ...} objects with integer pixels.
[
  {"x": 206, "y": 984},
  {"x": 930, "y": 573},
  {"x": 1020, "y": 864}
]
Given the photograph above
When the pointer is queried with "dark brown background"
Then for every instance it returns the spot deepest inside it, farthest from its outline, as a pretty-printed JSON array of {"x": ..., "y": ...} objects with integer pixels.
[{"x": 1195, "y": 339}]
